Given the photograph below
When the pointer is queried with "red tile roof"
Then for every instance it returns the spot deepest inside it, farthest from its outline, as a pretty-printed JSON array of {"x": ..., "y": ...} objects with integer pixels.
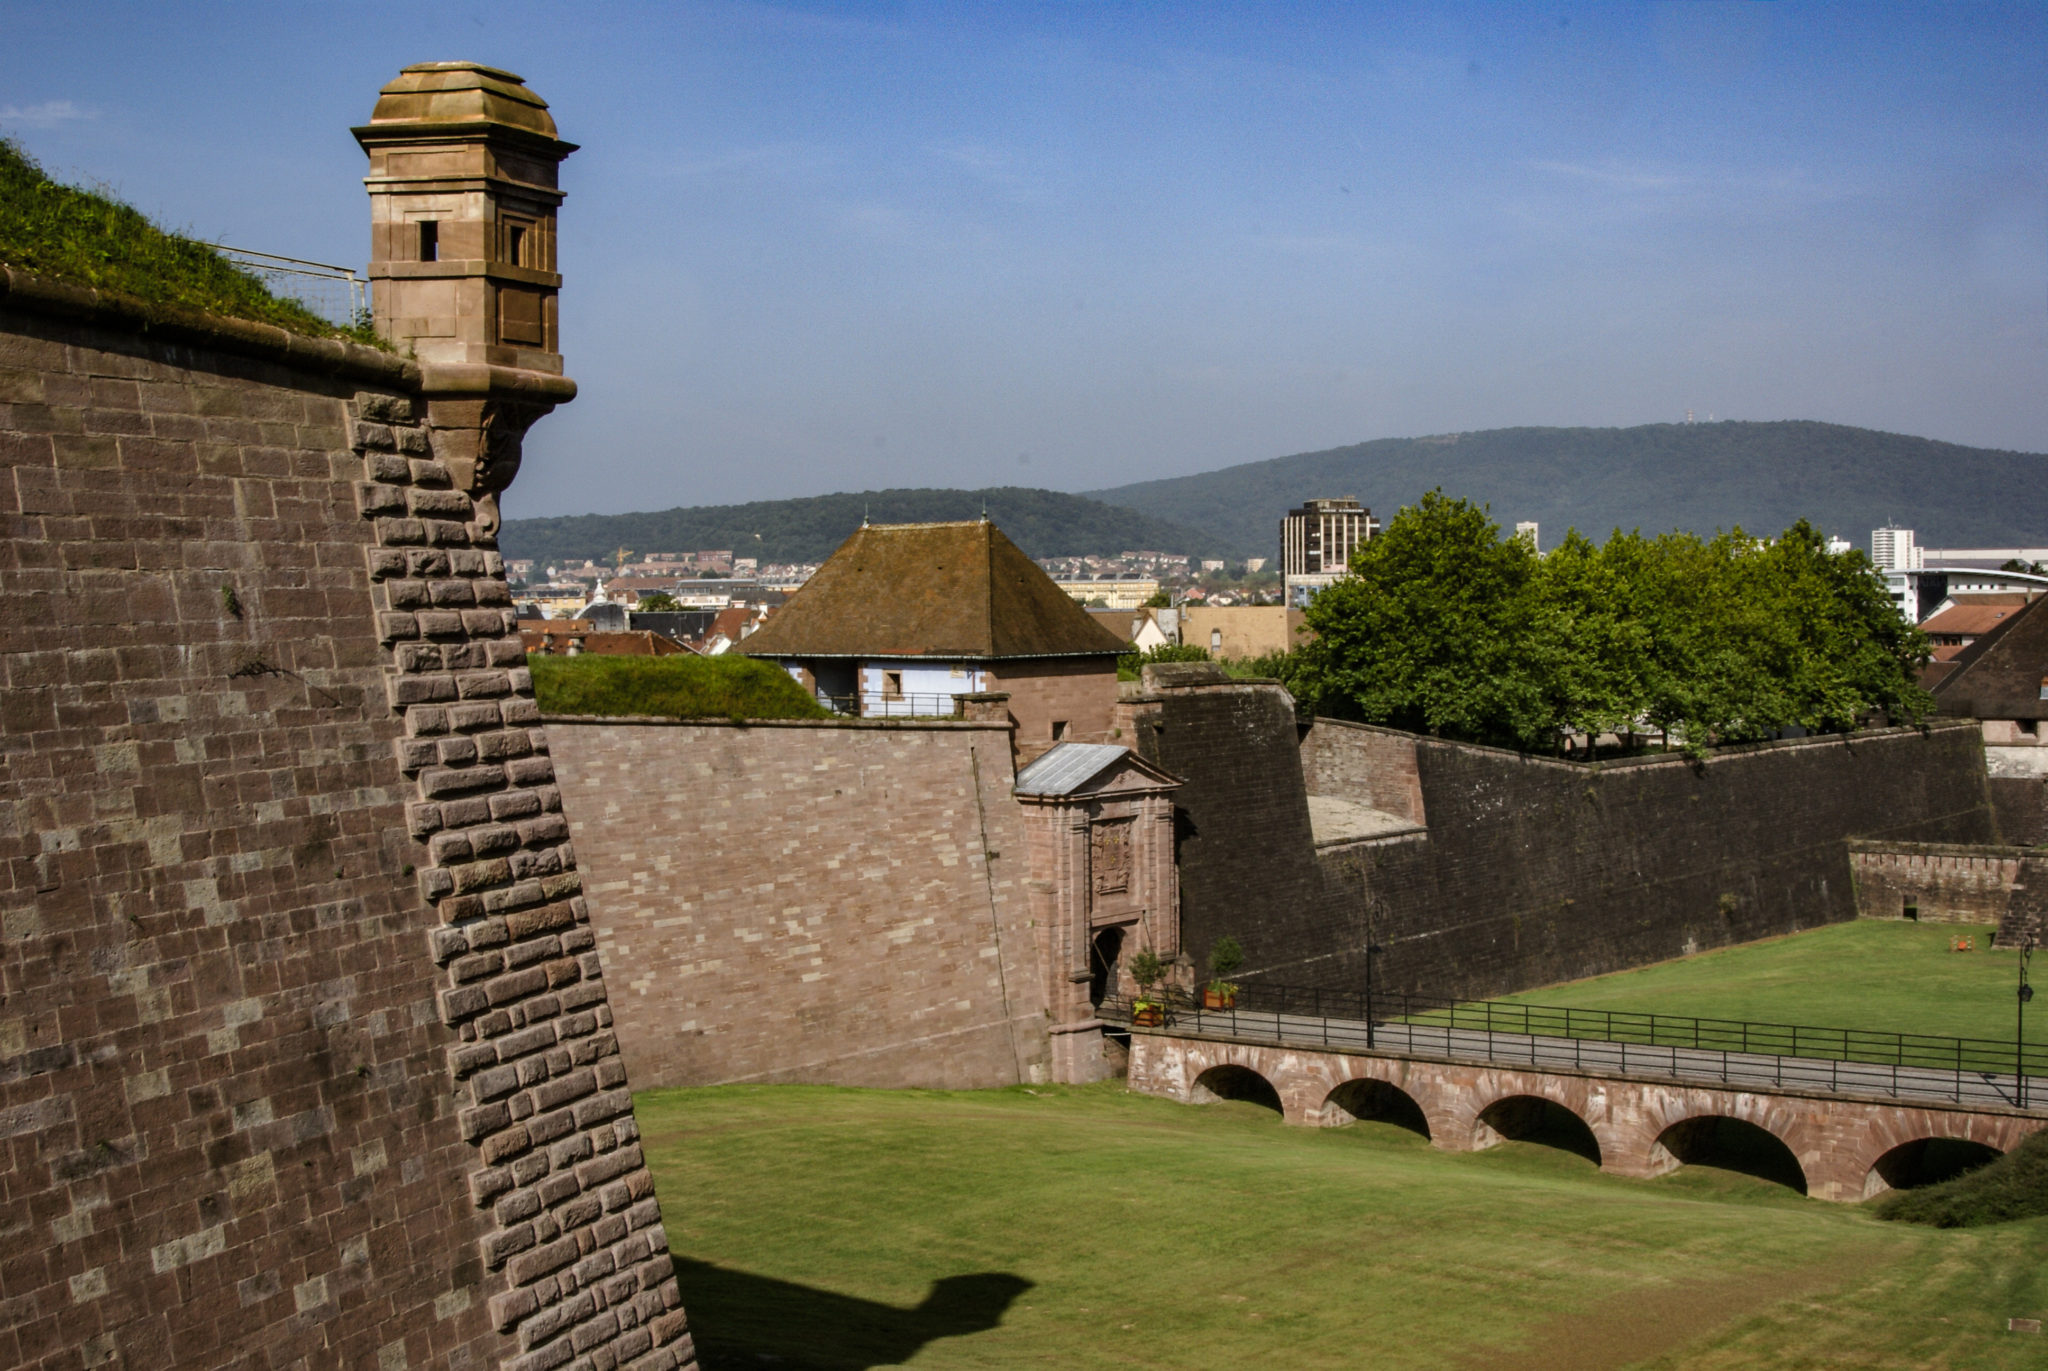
[{"x": 1968, "y": 620}]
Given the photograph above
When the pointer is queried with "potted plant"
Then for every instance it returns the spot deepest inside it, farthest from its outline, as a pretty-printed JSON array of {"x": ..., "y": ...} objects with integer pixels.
[
  {"x": 1149, "y": 1009},
  {"x": 1225, "y": 956}
]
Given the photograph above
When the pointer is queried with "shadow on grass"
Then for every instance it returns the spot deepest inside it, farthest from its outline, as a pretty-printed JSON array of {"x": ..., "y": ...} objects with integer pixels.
[{"x": 741, "y": 1320}]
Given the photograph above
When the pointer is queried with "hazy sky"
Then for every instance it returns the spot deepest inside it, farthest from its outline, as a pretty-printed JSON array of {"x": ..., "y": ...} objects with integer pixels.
[{"x": 830, "y": 247}]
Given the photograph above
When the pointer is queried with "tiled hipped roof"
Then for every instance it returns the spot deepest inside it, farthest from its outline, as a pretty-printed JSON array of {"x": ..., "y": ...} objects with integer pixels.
[{"x": 959, "y": 590}]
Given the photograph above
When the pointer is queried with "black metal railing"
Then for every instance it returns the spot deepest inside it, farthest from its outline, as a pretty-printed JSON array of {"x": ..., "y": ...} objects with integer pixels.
[
  {"x": 1730, "y": 1051},
  {"x": 876, "y": 705}
]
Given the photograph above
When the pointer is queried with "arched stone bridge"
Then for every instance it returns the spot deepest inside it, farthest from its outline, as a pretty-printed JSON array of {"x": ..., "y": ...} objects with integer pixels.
[{"x": 1846, "y": 1148}]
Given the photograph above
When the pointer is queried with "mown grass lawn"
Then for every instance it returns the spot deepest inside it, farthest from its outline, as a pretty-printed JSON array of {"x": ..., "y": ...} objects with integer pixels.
[
  {"x": 1089, "y": 1227},
  {"x": 1888, "y": 975}
]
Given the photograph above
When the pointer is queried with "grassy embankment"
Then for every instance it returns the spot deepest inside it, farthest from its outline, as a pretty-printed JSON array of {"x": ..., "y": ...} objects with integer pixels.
[
  {"x": 1889, "y": 976},
  {"x": 93, "y": 239},
  {"x": 681, "y": 687},
  {"x": 1088, "y": 1227}
]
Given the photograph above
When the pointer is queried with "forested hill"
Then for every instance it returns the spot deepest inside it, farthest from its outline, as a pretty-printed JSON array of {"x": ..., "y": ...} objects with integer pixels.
[
  {"x": 1703, "y": 477},
  {"x": 1045, "y": 523}
]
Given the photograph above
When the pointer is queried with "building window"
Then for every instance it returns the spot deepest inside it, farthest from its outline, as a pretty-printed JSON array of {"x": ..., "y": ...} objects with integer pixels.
[
  {"x": 892, "y": 685},
  {"x": 1059, "y": 730},
  {"x": 515, "y": 245},
  {"x": 430, "y": 240},
  {"x": 1215, "y": 640}
]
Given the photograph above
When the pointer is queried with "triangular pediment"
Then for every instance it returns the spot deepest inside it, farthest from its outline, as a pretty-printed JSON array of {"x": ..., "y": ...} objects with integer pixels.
[{"x": 1092, "y": 770}]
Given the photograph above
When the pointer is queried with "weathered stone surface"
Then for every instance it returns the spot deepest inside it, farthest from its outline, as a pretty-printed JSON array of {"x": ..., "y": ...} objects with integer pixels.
[
  {"x": 1526, "y": 871},
  {"x": 838, "y": 903},
  {"x": 219, "y": 1028},
  {"x": 1838, "y": 1143}
]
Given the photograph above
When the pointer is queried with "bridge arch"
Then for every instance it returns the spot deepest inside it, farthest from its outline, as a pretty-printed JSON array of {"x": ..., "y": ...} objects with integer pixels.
[
  {"x": 1371, "y": 1097},
  {"x": 1536, "y": 1118},
  {"x": 1731, "y": 1143},
  {"x": 1927, "y": 1161},
  {"x": 1232, "y": 1081},
  {"x": 1909, "y": 1147}
]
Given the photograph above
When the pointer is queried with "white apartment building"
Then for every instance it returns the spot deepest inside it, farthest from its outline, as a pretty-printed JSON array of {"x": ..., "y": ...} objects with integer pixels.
[
  {"x": 1316, "y": 542},
  {"x": 1892, "y": 549}
]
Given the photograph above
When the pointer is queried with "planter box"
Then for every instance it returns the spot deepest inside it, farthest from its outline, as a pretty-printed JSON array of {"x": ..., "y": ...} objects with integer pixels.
[{"x": 1214, "y": 1000}]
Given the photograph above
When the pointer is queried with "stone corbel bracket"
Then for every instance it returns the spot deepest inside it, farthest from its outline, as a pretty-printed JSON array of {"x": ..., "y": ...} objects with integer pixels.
[{"x": 477, "y": 417}]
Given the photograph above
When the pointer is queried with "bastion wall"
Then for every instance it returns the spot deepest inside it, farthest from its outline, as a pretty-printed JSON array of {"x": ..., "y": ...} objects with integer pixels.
[
  {"x": 305, "y": 1052},
  {"x": 840, "y": 902},
  {"x": 1529, "y": 871}
]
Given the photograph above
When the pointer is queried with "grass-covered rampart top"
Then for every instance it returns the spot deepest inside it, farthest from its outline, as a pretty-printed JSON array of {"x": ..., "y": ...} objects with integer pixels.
[
  {"x": 691, "y": 687},
  {"x": 94, "y": 240}
]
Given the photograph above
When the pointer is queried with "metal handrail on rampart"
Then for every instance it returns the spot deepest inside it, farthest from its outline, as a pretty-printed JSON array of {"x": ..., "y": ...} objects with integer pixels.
[
  {"x": 1730, "y": 1051},
  {"x": 875, "y": 705}
]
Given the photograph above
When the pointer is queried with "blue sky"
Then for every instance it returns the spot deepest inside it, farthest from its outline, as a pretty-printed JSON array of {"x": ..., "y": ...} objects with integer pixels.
[{"x": 831, "y": 247}]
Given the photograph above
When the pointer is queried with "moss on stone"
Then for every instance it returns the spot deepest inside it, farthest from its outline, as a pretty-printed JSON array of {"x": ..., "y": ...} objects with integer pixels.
[{"x": 92, "y": 239}]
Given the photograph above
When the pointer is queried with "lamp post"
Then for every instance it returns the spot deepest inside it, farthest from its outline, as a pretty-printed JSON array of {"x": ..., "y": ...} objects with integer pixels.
[
  {"x": 1373, "y": 908},
  {"x": 2019, "y": 1041},
  {"x": 1371, "y": 950}
]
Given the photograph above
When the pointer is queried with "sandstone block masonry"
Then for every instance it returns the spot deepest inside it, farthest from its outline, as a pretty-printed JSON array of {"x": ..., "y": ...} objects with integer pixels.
[
  {"x": 1528, "y": 871},
  {"x": 1535, "y": 871},
  {"x": 305, "y": 1055},
  {"x": 1944, "y": 883},
  {"x": 836, "y": 902}
]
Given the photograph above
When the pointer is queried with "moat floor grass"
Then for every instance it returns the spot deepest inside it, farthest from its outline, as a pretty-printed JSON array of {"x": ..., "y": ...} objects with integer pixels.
[
  {"x": 1887, "y": 975},
  {"x": 1052, "y": 1226}
]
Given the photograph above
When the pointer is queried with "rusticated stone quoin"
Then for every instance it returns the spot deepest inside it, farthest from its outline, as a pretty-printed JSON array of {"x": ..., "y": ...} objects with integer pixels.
[{"x": 573, "y": 1233}]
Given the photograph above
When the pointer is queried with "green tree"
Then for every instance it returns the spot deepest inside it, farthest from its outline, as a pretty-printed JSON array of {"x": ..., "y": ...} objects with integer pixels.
[
  {"x": 659, "y": 601},
  {"x": 1587, "y": 651},
  {"x": 1434, "y": 630},
  {"x": 1447, "y": 628},
  {"x": 1160, "y": 600}
]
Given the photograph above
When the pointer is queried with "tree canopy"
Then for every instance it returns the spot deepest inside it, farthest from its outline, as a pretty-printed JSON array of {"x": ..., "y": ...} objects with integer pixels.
[{"x": 1446, "y": 627}]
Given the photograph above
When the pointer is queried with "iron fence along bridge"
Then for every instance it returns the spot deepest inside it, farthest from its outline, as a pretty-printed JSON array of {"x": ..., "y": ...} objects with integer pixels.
[{"x": 1718, "y": 1051}]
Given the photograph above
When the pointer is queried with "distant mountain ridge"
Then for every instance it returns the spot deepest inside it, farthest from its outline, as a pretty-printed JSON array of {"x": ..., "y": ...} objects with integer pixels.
[
  {"x": 1045, "y": 523},
  {"x": 1657, "y": 477}
]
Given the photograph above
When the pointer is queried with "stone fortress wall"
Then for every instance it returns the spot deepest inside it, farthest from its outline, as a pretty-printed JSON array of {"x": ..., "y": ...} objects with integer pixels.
[
  {"x": 305, "y": 1052},
  {"x": 1526, "y": 871},
  {"x": 1943, "y": 883},
  {"x": 839, "y": 902}
]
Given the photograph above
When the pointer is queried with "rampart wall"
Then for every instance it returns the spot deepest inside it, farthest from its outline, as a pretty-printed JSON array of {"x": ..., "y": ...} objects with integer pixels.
[
  {"x": 305, "y": 1055},
  {"x": 836, "y": 902},
  {"x": 1945, "y": 883},
  {"x": 1531, "y": 871},
  {"x": 2022, "y": 805}
]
